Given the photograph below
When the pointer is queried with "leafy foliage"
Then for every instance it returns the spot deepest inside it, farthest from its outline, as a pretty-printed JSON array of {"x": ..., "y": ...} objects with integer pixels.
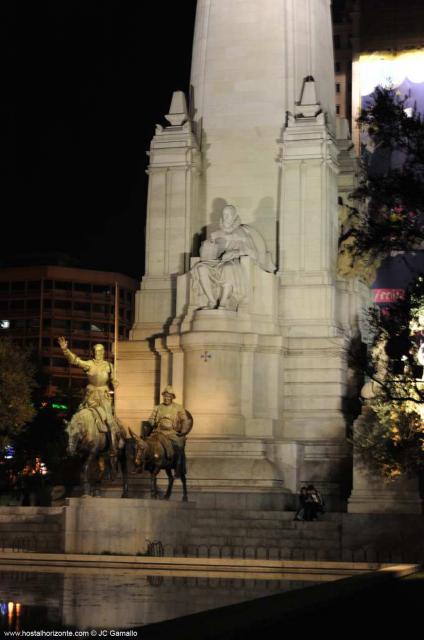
[
  {"x": 389, "y": 216},
  {"x": 390, "y": 440},
  {"x": 389, "y": 200},
  {"x": 389, "y": 436},
  {"x": 16, "y": 386}
]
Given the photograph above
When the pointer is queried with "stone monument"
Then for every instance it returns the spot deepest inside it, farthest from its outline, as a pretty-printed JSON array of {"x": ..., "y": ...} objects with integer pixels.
[{"x": 256, "y": 352}]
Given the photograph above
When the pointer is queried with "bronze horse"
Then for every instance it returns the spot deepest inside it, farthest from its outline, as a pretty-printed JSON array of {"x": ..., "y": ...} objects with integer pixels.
[
  {"x": 86, "y": 440},
  {"x": 150, "y": 455}
]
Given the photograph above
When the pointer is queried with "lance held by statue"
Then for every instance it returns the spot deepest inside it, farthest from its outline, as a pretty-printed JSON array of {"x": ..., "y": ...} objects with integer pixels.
[{"x": 95, "y": 414}]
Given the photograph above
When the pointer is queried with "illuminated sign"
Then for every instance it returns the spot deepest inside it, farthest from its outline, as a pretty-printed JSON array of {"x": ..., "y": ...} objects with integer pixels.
[
  {"x": 55, "y": 405},
  {"x": 402, "y": 71}
]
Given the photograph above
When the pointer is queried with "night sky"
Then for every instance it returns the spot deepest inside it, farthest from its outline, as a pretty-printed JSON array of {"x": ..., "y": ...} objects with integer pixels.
[{"x": 83, "y": 85}]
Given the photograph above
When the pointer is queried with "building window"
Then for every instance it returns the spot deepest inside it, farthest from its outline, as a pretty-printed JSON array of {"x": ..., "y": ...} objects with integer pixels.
[
  {"x": 62, "y": 304},
  {"x": 337, "y": 67},
  {"x": 18, "y": 286},
  {"x": 99, "y": 326},
  {"x": 81, "y": 326},
  {"x": 99, "y": 308},
  {"x": 33, "y": 323},
  {"x": 82, "y": 306},
  {"x": 59, "y": 362},
  {"x": 34, "y": 285},
  {"x": 337, "y": 87},
  {"x": 338, "y": 109},
  {"x": 65, "y": 286},
  {"x": 81, "y": 344},
  {"x": 62, "y": 324},
  {"x": 81, "y": 286},
  {"x": 98, "y": 288},
  {"x": 16, "y": 304}
]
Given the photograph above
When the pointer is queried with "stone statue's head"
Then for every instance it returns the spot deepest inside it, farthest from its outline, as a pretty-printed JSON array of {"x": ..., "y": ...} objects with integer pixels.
[
  {"x": 99, "y": 351},
  {"x": 168, "y": 394},
  {"x": 230, "y": 219},
  {"x": 169, "y": 390}
]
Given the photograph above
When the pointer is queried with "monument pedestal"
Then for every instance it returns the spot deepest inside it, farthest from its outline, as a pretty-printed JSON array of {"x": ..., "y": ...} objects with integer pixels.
[
  {"x": 263, "y": 368},
  {"x": 373, "y": 494},
  {"x": 109, "y": 525}
]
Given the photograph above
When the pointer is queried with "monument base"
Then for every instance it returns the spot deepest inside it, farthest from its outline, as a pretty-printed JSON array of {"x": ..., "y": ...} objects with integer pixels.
[
  {"x": 372, "y": 494},
  {"x": 110, "y": 525}
]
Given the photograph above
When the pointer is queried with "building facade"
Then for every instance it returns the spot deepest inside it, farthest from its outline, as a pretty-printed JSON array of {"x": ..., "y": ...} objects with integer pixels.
[
  {"x": 39, "y": 304},
  {"x": 364, "y": 28}
]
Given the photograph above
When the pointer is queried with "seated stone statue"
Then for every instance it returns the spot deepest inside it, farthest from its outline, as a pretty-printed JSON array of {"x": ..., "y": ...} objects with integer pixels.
[
  {"x": 218, "y": 274},
  {"x": 170, "y": 423}
]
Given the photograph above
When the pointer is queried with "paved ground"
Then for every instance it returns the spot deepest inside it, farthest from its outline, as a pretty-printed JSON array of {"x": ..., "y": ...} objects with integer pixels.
[{"x": 389, "y": 606}]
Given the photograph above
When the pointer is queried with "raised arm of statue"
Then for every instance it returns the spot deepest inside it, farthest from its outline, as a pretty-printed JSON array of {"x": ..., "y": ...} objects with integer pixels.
[{"x": 71, "y": 357}]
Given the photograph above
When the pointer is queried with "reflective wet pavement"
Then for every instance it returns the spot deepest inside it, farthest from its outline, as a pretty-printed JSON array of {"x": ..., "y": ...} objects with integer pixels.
[{"x": 118, "y": 599}]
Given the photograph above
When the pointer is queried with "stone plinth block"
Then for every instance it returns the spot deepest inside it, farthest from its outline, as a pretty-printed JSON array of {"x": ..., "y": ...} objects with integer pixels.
[
  {"x": 98, "y": 525},
  {"x": 372, "y": 494}
]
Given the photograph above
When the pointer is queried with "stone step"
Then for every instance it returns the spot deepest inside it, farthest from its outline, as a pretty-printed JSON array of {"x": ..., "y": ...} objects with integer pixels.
[
  {"x": 245, "y": 523},
  {"x": 270, "y": 553},
  {"x": 262, "y": 524},
  {"x": 31, "y": 511},
  {"x": 30, "y": 528},
  {"x": 257, "y": 541},
  {"x": 283, "y": 534},
  {"x": 31, "y": 542},
  {"x": 225, "y": 514},
  {"x": 30, "y": 518}
]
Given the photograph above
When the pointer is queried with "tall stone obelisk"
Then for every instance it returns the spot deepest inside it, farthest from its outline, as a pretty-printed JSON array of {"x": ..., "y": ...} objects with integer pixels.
[
  {"x": 265, "y": 383},
  {"x": 249, "y": 62}
]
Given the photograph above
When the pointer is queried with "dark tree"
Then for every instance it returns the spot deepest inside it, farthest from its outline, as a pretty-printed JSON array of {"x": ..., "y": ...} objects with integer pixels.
[
  {"x": 389, "y": 217},
  {"x": 16, "y": 386}
]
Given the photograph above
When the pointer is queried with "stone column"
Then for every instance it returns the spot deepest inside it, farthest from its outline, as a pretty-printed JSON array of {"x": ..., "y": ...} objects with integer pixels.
[
  {"x": 249, "y": 59},
  {"x": 315, "y": 313},
  {"x": 171, "y": 219}
]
